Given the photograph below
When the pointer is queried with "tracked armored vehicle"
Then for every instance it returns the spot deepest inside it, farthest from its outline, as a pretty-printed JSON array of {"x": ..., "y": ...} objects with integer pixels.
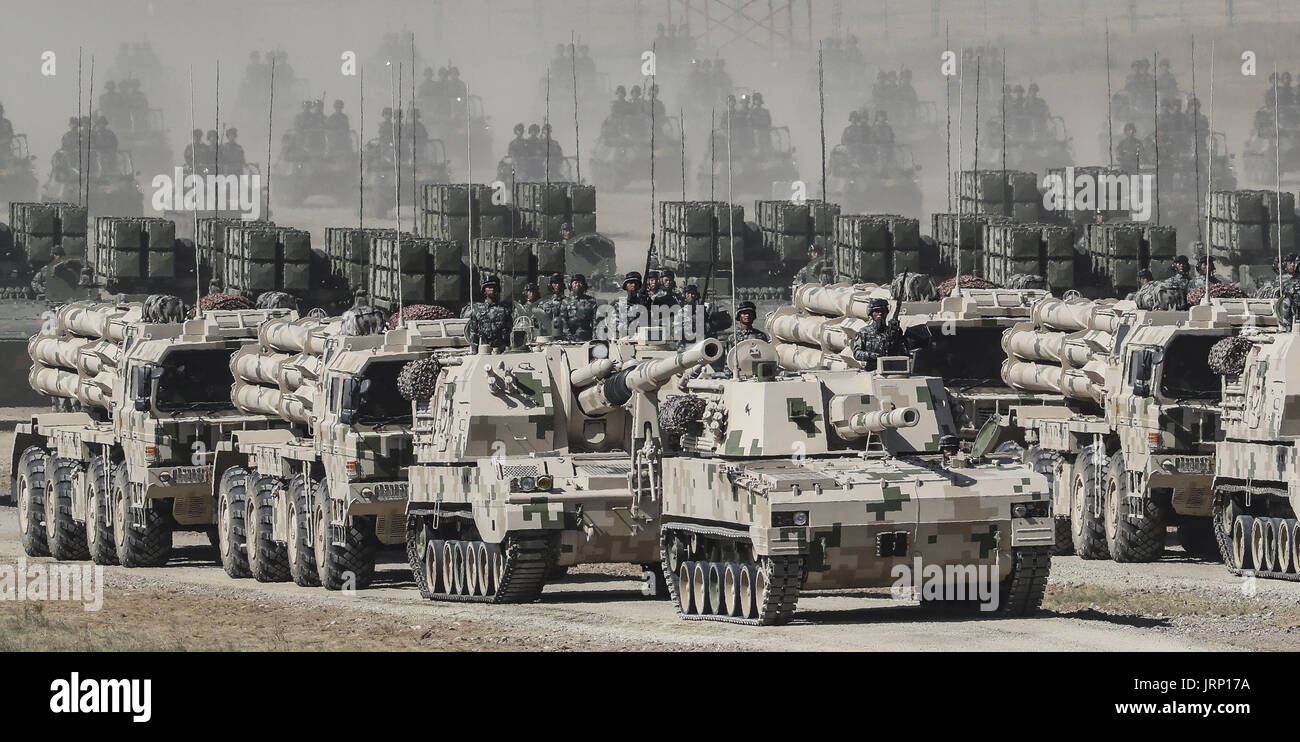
[
  {"x": 1255, "y": 473},
  {"x": 1133, "y": 449},
  {"x": 538, "y": 459},
  {"x": 313, "y": 497},
  {"x": 774, "y": 483},
  {"x": 113, "y": 480},
  {"x": 881, "y": 179}
]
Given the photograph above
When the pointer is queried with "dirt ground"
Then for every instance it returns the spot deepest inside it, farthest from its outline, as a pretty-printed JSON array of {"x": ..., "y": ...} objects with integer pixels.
[{"x": 190, "y": 604}]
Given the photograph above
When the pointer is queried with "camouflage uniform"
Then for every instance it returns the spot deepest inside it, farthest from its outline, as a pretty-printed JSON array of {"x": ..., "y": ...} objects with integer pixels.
[
  {"x": 879, "y": 339},
  {"x": 818, "y": 270},
  {"x": 552, "y": 306},
  {"x": 577, "y": 318},
  {"x": 490, "y": 324},
  {"x": 623, "y": 312},
  {"x": 1289, "y": 302}
]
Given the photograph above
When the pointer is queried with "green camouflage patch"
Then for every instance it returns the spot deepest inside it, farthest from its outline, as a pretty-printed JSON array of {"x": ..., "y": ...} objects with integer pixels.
[
  {"x": 894, "y": 499},
  {"x": 987, "y": 541}
]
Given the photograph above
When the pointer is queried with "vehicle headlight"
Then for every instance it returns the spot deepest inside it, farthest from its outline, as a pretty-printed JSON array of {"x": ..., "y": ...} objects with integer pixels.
[
  {"x": 801, "y": 519},
  {"x": 545, "y": 482},
  {"x": 528, "y": 484}
]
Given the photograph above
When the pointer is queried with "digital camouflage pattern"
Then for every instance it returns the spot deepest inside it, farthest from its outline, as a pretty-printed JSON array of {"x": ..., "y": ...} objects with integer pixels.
[
  {"x": 819, "y": 271},
  {"x": 490, "y": 324},
  {"x": 577, "y": 318}
]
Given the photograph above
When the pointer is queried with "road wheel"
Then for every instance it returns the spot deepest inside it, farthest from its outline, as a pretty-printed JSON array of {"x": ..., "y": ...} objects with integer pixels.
[
  {"x": 146, "y": 545},
  {"x": 1045, "y": 463},
  {"x": 268, "y": 560},
  {"x": 29, "y": 491},
  {"x": 302, "y": 557},
  {"x": 1196, "y": 536},
  {"x": 65, "y": 537},
  {"x": 1087, "y": 532},
  {"x": 1132, "y": 537},
  {"x": 99, "y": 513},
  {"x": 232, "y": 496},
  {"x": 350, "y": 564}
]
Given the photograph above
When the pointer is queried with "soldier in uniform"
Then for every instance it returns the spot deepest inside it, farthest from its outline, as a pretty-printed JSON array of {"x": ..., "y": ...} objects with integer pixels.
[
  {"x": 194, "y": 151},
  {"x": 1129, "y": 150},
  {"x": 1144, "y": 278},
  {"x": 1289, "y": 295},
  {"x": 518, "y": 146},
  {"x": 818, "y": 269},
  {"x": 232, "y": 154},
  {"x": 625, "y": 310},
  {"x": 577, "y": 312},
  {"x": 1204, "y": 270},
  {"x": 552, "y": 305},
  {"x": 490, "y": 320},
  {"x": 668, "y": 293},
  {"x": 746, "y": 313},
  {"x": 38, "y": 281},
  {"x": 879, "y": 338}
]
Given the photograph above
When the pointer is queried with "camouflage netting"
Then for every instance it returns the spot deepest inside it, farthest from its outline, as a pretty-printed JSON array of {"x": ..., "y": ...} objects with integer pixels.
[
  {"x": 417, "y": 379},
  {"x": 213, "y": 302},
  {"x": 1217, "y": 291},
  {"x": 363, "y": 320},
  {"x": 913, "y": 287},
  {"x": 1027, "y": 281},
  {"x": 677, "y": 414},
  {"x": 276, "y": 300},
  {"x": 420, "y": 311},
  {"x": 163, "y": 308},
  {"x": 1228, "y": 356},
  {"x": 967, "y": 282}
]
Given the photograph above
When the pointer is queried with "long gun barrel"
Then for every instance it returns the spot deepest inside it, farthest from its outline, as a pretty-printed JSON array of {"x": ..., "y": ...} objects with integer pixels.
[{"x": 616, "y": 390}]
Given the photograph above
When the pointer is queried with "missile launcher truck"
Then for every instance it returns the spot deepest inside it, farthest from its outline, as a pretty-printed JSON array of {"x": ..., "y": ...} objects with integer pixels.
[
  {"x": 313, "y": 497},
  {"x": 773, "y": 483},
  {"x": 112, "y": 480},
  {"x": 1132, "y": 450},
  {"x": 539, "y": 458}
]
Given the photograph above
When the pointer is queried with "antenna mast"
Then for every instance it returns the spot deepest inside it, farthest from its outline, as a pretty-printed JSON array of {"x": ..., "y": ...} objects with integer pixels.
[
  {"x": 577, "y": 138},
  {"x": 270, "y": 113}
]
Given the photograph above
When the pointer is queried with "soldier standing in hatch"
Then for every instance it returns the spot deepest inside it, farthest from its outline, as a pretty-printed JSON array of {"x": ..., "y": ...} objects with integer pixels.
[
  {"x": 1129, "y": 150},
  {"x": 632, "y": 308},
  {"x": 232, "y": 154},
  {"x": 577, "y": 319},
  {"x": 1204, "y": 270},
  {"x": 552, "y": 305},
  {"x": 746, "y": 313},
  {"x": 668, "y": 294},
  {"x": 819, "y": 268},
  {"x": 490, "y": 321},
  {"x": 1289, "y": 294},
  {"x": 518, "y": 147},
  {"x": 1144, "y": 277},
  {"x": 879, "y": 338}
]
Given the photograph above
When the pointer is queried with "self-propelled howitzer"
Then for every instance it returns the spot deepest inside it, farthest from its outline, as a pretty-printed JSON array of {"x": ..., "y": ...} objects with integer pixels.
[
  {"x": 774, "y": 482},
  {"x": 530, "y": 461}
]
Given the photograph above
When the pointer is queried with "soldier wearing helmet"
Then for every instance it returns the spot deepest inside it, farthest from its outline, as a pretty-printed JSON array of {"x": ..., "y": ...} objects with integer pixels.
[
  {"x": 551, "y": 305},
  {"x": 577, "y": 319},
  {"x": 491, "y": 319},
  {"x": 880, "y": 337},
  {"x": 1129, "y": 150},
  {"x": 746, "y": 314},
  {"x": 818, "y": 269},
  {"x": 518, "y": 146}
]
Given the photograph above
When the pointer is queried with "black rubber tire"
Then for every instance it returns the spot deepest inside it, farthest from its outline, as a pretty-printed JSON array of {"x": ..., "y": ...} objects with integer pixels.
[
  {"x": 302, "y": 557},
  {"x": 268, "y": 560},
  {"x": 1087, "y": 531},
  {"x": 29, "y": 493},
  {"x": 418, "y": 536},
  {"x": 232, "y": 496},
  {"x": 65, "y": 537},
  {"x": 138, "y": 546},
  {"x": 1045, "y": 462},
  {"x": 347, "y": 565},
  {"x": 99, "y": 513},
  {"x": 1132, "y": 539},
  {"x": 1021, "y": 592},
  {"x": 1196, "y": 536}
]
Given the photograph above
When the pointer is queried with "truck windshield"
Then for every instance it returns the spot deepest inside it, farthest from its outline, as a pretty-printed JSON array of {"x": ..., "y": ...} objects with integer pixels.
[
  {"x": 1186, "y": 369},
  {"x": 382, "y": 403},
  {"x": 195, "y": 380}
]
